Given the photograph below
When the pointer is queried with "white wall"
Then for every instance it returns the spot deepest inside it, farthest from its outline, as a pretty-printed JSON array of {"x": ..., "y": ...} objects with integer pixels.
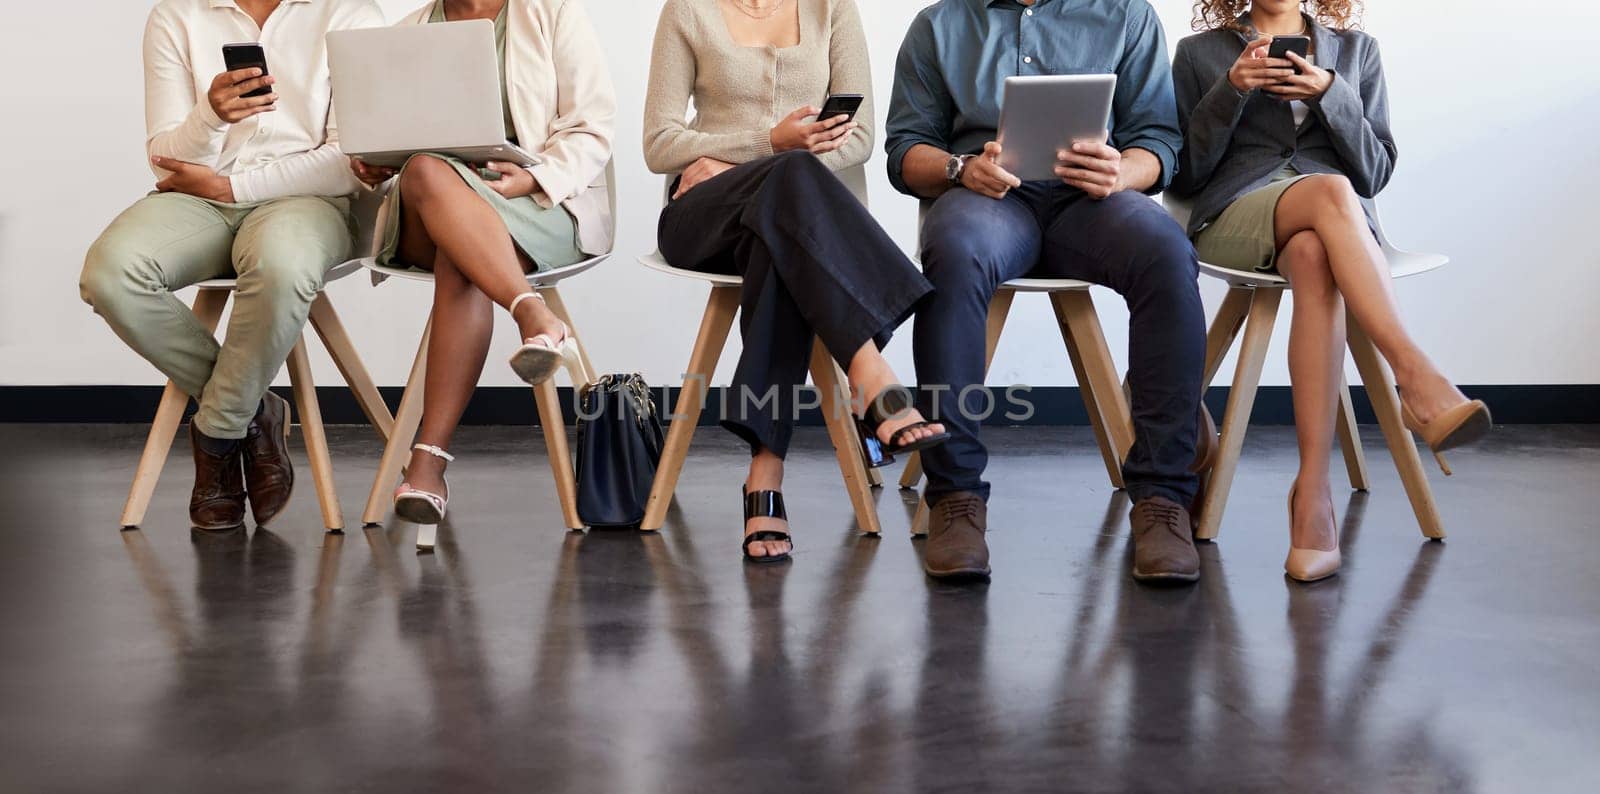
[{"x": 1495, "y": 109}]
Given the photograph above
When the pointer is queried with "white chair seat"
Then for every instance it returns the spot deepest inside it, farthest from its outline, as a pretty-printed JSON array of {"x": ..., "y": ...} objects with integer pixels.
[
  {"x": 659, "y": 264},
  {"x": 337, "y": 272},
  {"x": 1045, "y": 284},
  {"x": 543, "y": 279}
]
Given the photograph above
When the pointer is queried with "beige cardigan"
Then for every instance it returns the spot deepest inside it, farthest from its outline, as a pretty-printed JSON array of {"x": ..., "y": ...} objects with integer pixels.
[
  {"x": 739, "y": 92},
  {"x": 563, "y": 106}
]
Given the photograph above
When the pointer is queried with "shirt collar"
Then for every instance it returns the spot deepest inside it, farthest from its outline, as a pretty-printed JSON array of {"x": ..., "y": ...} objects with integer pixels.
[{"x": 232, "y": 4}]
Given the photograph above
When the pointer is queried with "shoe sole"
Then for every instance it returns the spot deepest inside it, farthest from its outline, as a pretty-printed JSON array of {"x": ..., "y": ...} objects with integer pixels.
[
  {"x": 959, "y": 573},
  {"x": 535, "y": 366},
  {"x": 1166, "y": 578},
  {"x": 417, "y": 510},
  {"x": 217, "y": 528},
  {"x": 1471, "y": 431}
]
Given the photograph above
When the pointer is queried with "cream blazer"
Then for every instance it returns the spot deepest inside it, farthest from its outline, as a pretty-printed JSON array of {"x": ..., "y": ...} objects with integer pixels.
[{"x": 563, "y": 107}]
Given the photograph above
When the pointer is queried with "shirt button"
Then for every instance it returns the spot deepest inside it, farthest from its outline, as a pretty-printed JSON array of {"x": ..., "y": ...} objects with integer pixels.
[
  {"x": 1029, "y": 12},
  {"x": 1289, "y": 152},
  {"x": 1027, "y": 59}
]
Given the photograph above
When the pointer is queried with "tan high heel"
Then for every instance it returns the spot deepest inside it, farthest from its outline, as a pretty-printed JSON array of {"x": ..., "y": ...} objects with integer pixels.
[
  {"x": 1310, "y": 565},
  {"x": 1456, "y": 427}
]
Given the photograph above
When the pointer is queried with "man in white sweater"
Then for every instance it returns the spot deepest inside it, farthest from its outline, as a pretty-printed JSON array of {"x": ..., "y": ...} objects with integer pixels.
[{"x": 252, "y": 188}]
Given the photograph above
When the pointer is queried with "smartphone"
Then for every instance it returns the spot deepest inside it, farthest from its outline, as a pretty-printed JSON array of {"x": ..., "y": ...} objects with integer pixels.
[
  {"x": 1283, "y": 45},
  {"x": 244, "y": 56},
  {"x": 841, "y": 105}
]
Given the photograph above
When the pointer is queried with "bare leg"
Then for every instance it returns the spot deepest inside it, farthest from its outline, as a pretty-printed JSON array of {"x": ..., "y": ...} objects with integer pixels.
[
  {"x": 869, "y": 375},
  {"x": 1316, "y": 356},
  {"x": 463, "y": 324},
  {"x": 468, "y": 231},
  {"x": 1329, "y": 206},
  {"x": 766, "y": 474}
]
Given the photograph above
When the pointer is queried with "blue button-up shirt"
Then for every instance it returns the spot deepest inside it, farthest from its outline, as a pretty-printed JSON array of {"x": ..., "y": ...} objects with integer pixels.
[{"x": 956, "y": 58}]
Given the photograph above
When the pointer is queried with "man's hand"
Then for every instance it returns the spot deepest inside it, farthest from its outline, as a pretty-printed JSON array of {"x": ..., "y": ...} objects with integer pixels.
[
  {"x": 227, "y": 94},
  {"x": 984, "y": 176},
  {"x": 1093, "y": 167},
  {"x": 818, "y": 137},
  {"x": 371, "y": 175},
  {"x": 515, "y": 181},
  {"x": 1309, "y": 84},
  {"x": 1255, "y": 70},
  {"x": 700, "y": 171},
  {"x": 195, "y": 180}
]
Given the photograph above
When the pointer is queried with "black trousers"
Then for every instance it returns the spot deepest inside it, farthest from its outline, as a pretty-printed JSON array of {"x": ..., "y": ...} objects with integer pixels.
[
  {"x": 815, "y": 265},
  {"x": 972, "y": 244}
]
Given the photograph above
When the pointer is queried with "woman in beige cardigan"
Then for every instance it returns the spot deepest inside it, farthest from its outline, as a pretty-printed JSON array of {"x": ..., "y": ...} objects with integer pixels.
[
  {"x": 481, "y": 228},
  {"x": 756, "y": 195}
]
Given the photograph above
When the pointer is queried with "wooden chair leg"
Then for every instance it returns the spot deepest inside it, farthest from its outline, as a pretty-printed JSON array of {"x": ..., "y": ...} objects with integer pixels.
[
  {"x": 721, "y": 307},
  {"x": 555, "y": 440},
  {"x": 1263, "y": 314},
  {"x": 999, "y": 311},
  {"x": 835, "y": 394},
  {"x": 1355, "y": 459},
  {"x": 558, "y": 307},
  {"x": 316, "y": 438},
  {"x": 325, "y": 321},
  {"x": 1109, "y": 414},
  {"x": 1224, "y": 329},
  {"x": 208, "y": 306},
  {"x": 398, "y": 447},
  {"x": 1386, "y": 404}
]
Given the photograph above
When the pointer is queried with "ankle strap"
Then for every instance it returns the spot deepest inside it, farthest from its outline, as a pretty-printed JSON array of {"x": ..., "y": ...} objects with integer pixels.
[
  {"x": 517, "y": 301},
  {"x": 434, "y": 451}
]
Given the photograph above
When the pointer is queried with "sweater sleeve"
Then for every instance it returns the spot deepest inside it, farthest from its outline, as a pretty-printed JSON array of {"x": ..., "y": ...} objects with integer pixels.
[
  {"x": 670, "y": 145},
  {"x": 178, "y": 124},
  {"x": 1358, "y": 123},
  {"x": 1208, "y": 112},
  {"x": 579, "y": 146},
  {"x": 850, "y": 72}
]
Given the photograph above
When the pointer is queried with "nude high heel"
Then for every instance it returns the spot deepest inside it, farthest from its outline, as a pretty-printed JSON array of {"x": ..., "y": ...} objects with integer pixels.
[
  {"x": 1310, "y": 565},
  {"x": 539, "y": 358},
  {"x": 1456, "y": 427},
  {"x": 423, "y": 508}
]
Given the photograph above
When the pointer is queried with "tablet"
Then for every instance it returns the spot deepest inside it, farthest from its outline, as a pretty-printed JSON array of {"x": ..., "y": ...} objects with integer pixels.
[{"x": 1039, "y": 115}]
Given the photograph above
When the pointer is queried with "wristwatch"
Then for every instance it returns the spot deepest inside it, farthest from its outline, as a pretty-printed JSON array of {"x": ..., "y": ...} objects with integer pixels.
[{"x": 955, "y": 167}]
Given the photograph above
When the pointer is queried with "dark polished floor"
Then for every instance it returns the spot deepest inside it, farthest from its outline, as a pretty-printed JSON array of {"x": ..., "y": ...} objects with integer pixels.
[{"x": 520, "y": 657}]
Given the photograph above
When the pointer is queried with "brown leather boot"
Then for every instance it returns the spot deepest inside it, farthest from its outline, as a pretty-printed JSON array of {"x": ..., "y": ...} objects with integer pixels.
[
  {"x": 1163, "y": 542},
  {"x": 217, "y": 502},
  {"x": 955, "y": 545},
  {"x": 268, "y": 472}
]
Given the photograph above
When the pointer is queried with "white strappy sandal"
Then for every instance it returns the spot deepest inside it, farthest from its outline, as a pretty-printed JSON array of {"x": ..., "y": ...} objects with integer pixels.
[
  {"x": 422, "y": 507},
  {"x": 539, "y": 358}
]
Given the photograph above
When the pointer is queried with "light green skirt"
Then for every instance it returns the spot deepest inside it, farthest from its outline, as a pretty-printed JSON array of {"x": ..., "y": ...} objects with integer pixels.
[
  {"x": 1244, "y": 236},
  {"x": 548, "y": 235}
]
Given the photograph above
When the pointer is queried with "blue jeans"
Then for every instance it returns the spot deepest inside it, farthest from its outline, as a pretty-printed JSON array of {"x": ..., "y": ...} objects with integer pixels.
[{"x": 972, "y": 244}]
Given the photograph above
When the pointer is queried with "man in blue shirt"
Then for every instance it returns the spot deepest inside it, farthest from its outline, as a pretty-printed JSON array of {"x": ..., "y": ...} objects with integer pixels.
[{"x": 985, "y": 227}]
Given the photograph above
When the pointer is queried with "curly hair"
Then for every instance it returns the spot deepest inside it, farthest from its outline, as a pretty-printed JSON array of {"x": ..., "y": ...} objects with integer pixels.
[{"x": 1224, "y": 14}]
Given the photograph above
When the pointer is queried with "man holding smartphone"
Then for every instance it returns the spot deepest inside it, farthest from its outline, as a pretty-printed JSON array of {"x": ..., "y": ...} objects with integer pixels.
[
  {"x": 986, "y": 227},
  {"x": 248, "y": 187}
]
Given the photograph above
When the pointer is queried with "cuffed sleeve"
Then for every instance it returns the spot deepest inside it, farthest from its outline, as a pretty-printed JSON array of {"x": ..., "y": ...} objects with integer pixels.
[
  {"x": 1358, "y": 123},
  {"x": 921, "y": 110},
  {"x": 1144, "y": 108}
]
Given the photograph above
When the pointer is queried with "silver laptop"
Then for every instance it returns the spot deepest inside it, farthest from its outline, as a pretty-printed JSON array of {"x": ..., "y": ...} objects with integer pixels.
[
  {"x": 420, "y": 88},
  {"x": 1041, "y": 114}
]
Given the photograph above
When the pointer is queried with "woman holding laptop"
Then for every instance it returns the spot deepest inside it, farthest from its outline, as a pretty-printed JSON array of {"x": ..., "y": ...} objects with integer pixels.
[
  {"x": 756, "y": 195},
  {"x": 480, "y": 228},
  {"x": 1279, "y": 152}
]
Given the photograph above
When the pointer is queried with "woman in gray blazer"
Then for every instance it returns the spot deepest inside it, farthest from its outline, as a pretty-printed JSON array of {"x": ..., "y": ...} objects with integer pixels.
[{"x": 1278, "y": 155}]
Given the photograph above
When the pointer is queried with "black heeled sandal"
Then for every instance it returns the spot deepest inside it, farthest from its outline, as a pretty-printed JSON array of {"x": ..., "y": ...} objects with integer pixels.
[
  {"x": 892, "y": 402},
  {"x": 764, "y": 504}
]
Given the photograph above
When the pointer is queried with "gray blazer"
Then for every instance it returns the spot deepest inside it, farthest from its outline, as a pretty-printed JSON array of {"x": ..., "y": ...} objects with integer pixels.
[{"x": 1235, "y": 143}]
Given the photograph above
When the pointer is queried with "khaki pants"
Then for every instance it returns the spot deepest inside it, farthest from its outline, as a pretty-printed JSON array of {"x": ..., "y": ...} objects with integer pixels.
[{"x": 278, "y": 250}]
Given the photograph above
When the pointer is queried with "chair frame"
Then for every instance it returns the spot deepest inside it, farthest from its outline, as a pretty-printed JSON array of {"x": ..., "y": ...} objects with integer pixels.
[{"x": 547, "y": 400}]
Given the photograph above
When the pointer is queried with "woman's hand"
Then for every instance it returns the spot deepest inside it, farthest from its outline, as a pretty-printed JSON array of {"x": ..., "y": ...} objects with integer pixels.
[
  {"x": 192, "y": 179},
  {"x": 699, "y": 171},
  {"x": 227, "y": 94},
  {"x": 1310, "y": 83},
  {"x": 371, "y": 175},
  {"x": 515, "y": 181},
  {"x": 1255, "y": 70},
  {"x": 818, "y": 137}
]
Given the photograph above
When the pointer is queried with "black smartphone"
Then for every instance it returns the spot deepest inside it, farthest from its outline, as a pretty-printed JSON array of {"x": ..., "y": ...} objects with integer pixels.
[
  {"x": 245, "y": 56},
  {"x": 1283, "y": 45},
  {"x": 840, "y": 105}
]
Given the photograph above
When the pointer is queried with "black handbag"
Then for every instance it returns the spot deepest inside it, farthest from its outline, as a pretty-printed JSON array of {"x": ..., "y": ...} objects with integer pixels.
[{"x": 619, "y": 447}]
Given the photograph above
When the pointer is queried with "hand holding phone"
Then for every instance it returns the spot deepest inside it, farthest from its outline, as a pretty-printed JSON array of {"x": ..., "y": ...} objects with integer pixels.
[
  {"x": 1283, "y": 45},
  {"x": 846, "y": 105},
  {"x": 245, "y": 89}
]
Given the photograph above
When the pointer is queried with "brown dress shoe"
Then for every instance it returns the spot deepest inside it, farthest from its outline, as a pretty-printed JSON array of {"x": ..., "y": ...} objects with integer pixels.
[
  {"x": 268, "y": 472},
  {"x": 955, "y": 545},
  {"x": 1163, "y": 542},
  {"x": 217, "y": 502}
]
